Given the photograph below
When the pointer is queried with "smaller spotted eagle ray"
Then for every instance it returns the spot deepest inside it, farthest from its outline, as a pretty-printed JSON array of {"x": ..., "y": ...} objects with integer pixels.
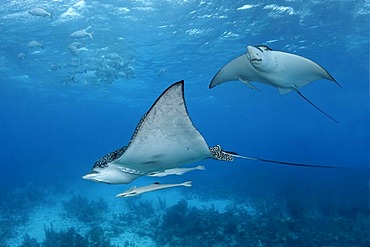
[
  {"x": 165, "y": 138},
  {"x": 285, "y": 71}
]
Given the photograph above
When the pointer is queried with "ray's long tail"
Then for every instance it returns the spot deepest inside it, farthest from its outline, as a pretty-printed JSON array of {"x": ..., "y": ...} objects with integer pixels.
[
  {"x": 310, "y": 102},
  {"x": 220, "y": 154}
]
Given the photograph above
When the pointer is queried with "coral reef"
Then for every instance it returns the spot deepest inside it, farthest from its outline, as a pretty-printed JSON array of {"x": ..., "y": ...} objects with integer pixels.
[
  {"x": 85, "y": 210},
  {"x": 188, "y": 226},
  {"x": 289, "y": 222},
  {"x": 29, "y": 242},
  {"x": 141, "y": 213},
  {"x": 95, "y": 237},
  {"x": 272, "y": 226},
  {"x": 16, "y": 206},
  {"x": 64, "y": 238},
  {"x": 162, "y": 204}
]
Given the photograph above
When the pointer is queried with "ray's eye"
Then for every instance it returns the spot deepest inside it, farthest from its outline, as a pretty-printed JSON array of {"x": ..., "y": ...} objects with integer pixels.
[
  {"x": 259, "y": 48},
  {"x": 264, "y": 48}
]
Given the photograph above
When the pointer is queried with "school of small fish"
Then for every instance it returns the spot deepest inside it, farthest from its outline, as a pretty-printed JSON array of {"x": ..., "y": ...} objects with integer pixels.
[{"x": 82, "y": 68}]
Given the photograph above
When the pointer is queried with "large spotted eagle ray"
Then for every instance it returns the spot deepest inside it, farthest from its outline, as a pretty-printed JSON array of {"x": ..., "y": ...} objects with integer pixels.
[{"x": 165, "y": 138}]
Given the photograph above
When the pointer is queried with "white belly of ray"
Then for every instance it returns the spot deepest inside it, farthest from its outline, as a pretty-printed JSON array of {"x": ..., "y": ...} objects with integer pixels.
[{"x": 293, "y": 71}]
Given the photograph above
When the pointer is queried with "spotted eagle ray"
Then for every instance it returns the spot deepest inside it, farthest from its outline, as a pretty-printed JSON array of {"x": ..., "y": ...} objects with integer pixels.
[
  {"x": 165, "y": 138},
  {"x": 285, "y": 71}
]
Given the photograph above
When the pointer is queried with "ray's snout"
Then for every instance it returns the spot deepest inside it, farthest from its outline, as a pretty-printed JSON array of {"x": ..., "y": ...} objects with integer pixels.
[{"x": 90, "y": 176}]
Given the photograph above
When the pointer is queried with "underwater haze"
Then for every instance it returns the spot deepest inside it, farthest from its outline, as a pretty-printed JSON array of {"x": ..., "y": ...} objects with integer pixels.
[{"x": 67, "y": 100}]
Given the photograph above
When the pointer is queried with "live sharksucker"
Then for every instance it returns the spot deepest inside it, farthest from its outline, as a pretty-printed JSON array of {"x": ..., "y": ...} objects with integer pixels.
[
  {"x": 135, "y": 191},
  {"x": 174, "y": 171}
]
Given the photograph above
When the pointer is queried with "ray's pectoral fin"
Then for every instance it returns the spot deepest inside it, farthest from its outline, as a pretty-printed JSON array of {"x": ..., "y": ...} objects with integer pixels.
[{"x": 283, "y": 90}]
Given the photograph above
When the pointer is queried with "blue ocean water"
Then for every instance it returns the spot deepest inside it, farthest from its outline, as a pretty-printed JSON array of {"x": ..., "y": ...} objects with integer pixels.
[{"x": 61, "y": 109}]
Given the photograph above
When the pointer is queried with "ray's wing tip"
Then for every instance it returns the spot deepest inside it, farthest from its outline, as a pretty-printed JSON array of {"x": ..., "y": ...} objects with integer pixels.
[
  {"x": 213, "y": 83},
  {"x": 337, "y": 83},
  {"x": 214, "y": 80},
  {"x": 181, "y": 82},
  {"x": 331, "y": 78}
]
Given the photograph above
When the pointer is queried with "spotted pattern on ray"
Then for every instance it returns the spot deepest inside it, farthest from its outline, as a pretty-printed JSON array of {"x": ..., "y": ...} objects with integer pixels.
[
  {"x": 219, "y": 154},
  {"x": 138, "y": 126},
  {"x": 102, "y": 162}
]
